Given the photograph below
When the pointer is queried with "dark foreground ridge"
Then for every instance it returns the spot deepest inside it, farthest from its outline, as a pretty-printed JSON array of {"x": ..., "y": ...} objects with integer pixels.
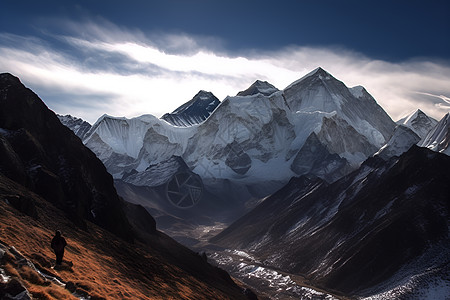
[
  {"x": 49, "y": 180},
  {"x": 353, "y": 235}
]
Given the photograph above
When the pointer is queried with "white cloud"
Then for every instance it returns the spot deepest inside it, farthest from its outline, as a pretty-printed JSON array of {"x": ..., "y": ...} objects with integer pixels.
[{"x": 126, "y": 73}]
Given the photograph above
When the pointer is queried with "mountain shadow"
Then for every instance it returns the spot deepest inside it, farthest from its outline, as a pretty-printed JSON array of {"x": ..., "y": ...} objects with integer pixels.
[{"x": 354, "y": 235}]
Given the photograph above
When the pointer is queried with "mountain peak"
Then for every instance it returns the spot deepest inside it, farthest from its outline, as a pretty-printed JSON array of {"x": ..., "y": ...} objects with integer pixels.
[
  {"x": 195, "y": 111},
  {"x": 9, "y": 77},
  {"x": 438, "y": 139},
  {"x": 203, "y": 95},
  {"x": 319, "y": 71},
  {"x": 419, "y": 122},
  {"x": 259, "y": 87},
  {"x": 77, "y": 125}
]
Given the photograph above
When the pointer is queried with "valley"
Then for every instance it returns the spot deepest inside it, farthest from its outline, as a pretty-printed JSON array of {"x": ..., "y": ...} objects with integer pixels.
[{"x": 297, "y": 193}]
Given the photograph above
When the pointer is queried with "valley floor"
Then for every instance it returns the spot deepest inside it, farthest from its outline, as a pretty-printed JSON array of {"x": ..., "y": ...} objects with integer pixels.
[{"x": 265, "y": 281}]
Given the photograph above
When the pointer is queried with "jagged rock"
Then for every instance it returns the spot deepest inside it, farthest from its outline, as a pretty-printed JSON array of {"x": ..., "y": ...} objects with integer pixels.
[
  {"x": 438, "y": 139},
  {"x": 315, "y": 159},
  {"x": 77, "y": 125},
  {"x": 14, "y": 290},
  {"x": 418, "y": 122}
]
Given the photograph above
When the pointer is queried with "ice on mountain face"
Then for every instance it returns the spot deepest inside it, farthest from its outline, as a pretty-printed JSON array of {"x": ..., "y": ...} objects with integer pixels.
[
  {"x": 257, "y": 87},
  {"x": 252, "y": 138},
  {"x": 194, "y": 111},
  {"x": 77, "y": 125},
  {"x": 419, "y": 122},
  {"x": 319, "y": 91},
  {"x": 342, "y": 138},
  {"x": 124, "y": 136},
  {"x": 438, "y": 139},
  {"x": 410, "y": 130},
  {"x": 400, "y": 142}
]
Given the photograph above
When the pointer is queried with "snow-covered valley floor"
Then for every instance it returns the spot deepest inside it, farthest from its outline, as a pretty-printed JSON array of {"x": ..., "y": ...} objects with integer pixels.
[{"x": 265, "y": 281}]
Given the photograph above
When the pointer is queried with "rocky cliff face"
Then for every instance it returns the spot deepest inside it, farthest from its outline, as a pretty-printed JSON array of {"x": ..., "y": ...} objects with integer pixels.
[
  {"x": 77, "y": 125},
  {"x": 194, "y": 111},
  {"x": 45, "y": 156},
  {"x": 417, "y": 129},
  {"x": 419, "y": 122},
  {"x": 438, "y": 139}
]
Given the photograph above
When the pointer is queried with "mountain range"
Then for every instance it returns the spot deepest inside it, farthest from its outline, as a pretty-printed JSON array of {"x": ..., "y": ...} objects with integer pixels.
[
  {"x": 315, "y": 180},
  {"x": 250, "y": 145},
  {"x": 356, "y": 235}
]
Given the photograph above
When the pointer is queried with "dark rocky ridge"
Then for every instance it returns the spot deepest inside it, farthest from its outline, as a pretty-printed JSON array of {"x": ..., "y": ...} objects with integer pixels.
[
  {"x": 77, "y": 125},
  {"x": 357, "y": 232},
  {"x": 37, "y": 151}
]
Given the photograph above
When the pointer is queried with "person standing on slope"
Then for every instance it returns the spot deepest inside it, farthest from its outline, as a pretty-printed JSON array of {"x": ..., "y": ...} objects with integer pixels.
[{"x": 58, "y": 244}]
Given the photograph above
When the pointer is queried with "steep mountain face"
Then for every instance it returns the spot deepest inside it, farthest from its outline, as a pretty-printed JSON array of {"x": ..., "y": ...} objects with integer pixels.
[
  {"x": 77, "y": 125},
  {"x": 416, "y": 129},
  {"x": 438, "y": 139},
  {"x": 319, "y": 91},
  {"x": 40, "y": 153},
  {"x": 356, "y": 234},
  {"x": 400, "y": 142},
  {"x": 194, "y": 111},
  {"x": 252, "y": 144},
  {"x": 419, "y": 122}
]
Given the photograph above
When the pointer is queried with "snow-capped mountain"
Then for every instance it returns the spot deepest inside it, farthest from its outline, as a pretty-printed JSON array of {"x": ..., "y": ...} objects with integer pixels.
[
  {"x": 262, "y": 87},
  {"x": 364, "y": 234},
  {"x": 401, "y": 140},
  {"x": 438, "y": 139},
  {"x": 194, "y": 111},
  {"x": 415, "y": 129},
  {"x": 77, "y": 125},
  {"x": 419, "y": 122},
  {"x": 255, "y": 142}
]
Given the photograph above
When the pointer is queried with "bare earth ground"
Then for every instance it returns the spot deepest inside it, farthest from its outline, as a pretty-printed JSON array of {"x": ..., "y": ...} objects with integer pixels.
[{"x": 103, "y": 266}]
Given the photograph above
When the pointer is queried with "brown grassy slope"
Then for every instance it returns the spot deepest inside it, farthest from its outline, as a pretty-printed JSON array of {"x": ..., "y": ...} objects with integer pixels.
[{"x": 104, "y": 265}]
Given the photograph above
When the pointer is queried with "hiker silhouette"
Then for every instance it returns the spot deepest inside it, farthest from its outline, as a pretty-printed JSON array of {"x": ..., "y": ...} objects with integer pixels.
[{"x": 58, "y": 244}]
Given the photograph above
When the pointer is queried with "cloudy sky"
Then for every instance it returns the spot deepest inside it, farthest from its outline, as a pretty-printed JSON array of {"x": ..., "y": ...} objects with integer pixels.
[{"x": 128, "y": 58}]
